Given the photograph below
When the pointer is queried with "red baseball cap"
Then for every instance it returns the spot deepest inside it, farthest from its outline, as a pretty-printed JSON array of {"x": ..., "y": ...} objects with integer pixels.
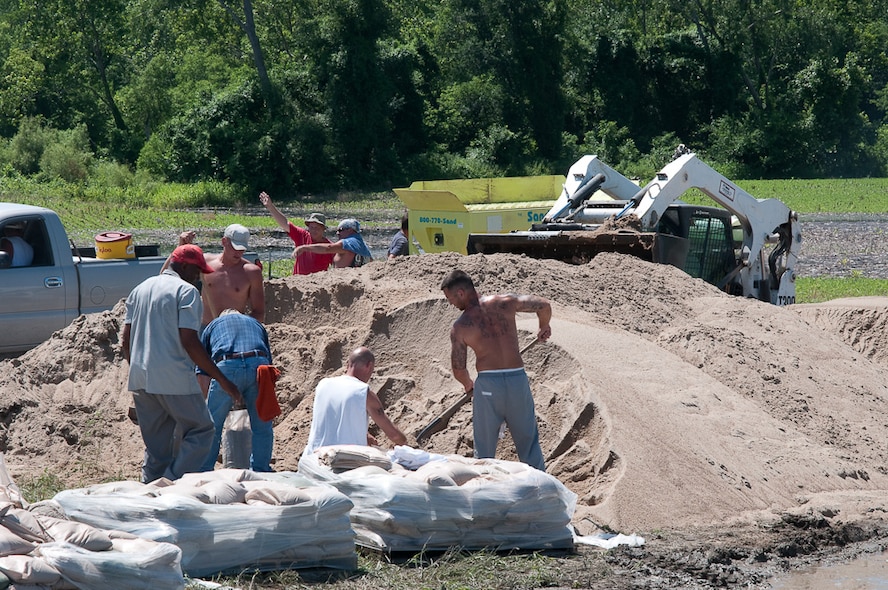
[{"x": 191, "y": 254}]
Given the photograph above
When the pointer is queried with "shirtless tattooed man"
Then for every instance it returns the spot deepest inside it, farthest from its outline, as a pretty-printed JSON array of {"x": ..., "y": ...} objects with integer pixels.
[{"x": 501, "y": 391}]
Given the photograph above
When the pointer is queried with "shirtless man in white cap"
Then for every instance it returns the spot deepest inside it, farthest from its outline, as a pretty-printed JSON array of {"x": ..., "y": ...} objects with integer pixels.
[{"x": 234, "y": 283}]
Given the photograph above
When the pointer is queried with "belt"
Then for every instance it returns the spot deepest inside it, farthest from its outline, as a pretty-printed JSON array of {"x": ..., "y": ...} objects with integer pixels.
[{"x": 238, "y": 355}]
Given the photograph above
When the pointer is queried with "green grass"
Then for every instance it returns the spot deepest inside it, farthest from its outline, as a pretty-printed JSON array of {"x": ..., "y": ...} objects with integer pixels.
[
  {"x": 830, "y": 195},
  {"x": 453, "y": 570},
  {"x": 44, "y": 486},
  {"x": 819, "y": 289}
]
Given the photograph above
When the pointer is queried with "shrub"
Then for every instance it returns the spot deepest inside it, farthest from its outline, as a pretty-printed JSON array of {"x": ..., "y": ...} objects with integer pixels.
[
  {"x": 199, "y": 194},
  {"x": 68, "y": 157},
  {"x": 111, "y": 174},
  {"x": 26, "y": 147}
]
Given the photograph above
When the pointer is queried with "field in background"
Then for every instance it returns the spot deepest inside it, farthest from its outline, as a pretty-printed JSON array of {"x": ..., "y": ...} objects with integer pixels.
[{"x": 381, "y": 211}]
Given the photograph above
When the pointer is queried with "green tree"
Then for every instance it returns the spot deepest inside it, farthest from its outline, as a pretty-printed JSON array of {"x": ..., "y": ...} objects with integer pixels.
[
  {"x": 515, "y": 49},
  {"x": 356, "y": 91},
  {"x": 78, "y": 50},
  {"x": 244, "y": 18},
  {"x": 21, "y": 78}
]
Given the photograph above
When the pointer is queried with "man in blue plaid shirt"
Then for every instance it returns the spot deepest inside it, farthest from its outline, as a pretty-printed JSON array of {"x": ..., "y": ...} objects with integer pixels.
[{"x": 238, "y": 344}]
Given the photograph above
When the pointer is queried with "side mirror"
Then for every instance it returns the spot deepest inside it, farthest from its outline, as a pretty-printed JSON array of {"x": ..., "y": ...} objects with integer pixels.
[{"x": 5, "y": 259}]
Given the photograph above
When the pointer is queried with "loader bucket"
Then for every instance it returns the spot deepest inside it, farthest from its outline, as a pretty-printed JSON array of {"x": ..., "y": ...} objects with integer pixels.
[{"x": 573, "y": 247}]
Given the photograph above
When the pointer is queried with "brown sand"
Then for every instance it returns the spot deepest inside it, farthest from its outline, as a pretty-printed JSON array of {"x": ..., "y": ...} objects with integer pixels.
[{"x": 661, "y": 401}]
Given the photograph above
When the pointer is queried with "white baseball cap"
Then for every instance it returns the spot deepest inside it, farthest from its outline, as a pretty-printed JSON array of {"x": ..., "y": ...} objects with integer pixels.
[{"x": 239, "y": 236}]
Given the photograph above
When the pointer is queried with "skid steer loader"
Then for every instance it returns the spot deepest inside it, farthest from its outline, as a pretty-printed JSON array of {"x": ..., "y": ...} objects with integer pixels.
[{"x": 747, "y": 247}]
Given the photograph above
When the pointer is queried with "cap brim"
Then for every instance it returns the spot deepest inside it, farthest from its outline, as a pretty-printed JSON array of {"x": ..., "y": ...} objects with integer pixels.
[{"x": 236, "y": 246}]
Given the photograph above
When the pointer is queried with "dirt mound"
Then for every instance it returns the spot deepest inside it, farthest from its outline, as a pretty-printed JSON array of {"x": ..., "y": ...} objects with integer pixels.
[{"x": 661, "y": 401}]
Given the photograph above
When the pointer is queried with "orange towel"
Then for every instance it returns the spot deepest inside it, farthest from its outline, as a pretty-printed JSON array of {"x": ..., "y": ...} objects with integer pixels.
[{"x": 266, "y": 403}]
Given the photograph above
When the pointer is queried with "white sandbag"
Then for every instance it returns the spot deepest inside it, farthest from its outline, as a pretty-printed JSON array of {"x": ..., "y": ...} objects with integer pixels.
[
  {"x": 437, "y": 479},
  {"x": 76, "y": 533},
  {"x": 274, "y": 493},
  {"x": 47, "y": 508},
  {"x": 130, "y": 565},
  {"x": 218, "y": 538},
  {"x": 9, "y": 491},
  {"x": 186, "y": 491},
  {"x": 224, "y": 492},
  {"x": 26, "y": 569},
  {"x": 237, "y": 440},
  {"x": 499, "y": 505},
  {"x": 12, "y": 544},
  {"x": 230, "y": 475},
  {"x": 339, "y": 457},
  {"x": 506, "y": 467},
  {"x": 152, "y": 487},
  {"x": 452, "y": 471},
  {"x": 114, "y": 487},
  {"x": 22, "y": 523}
]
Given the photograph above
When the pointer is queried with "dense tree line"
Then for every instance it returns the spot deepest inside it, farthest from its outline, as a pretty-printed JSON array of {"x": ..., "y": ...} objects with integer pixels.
[{"x": 315, "y": 95}]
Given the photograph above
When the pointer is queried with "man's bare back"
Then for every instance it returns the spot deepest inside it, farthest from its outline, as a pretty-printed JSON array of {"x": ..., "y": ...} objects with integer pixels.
[
  {"x": 489, "y": 330},
  {"x": 487, "y": 326}
]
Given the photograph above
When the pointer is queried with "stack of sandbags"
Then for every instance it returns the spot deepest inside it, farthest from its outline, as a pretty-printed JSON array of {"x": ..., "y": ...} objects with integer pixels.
[
  {"x": 227, "y": 520},
  {"x": 38, "y": 549},
  {"x": 49, "y": 552},
  {"x": 451, "y": 501}
]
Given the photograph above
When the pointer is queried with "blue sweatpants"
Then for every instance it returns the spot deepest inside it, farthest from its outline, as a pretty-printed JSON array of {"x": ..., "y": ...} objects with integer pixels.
[{"x": 504, "y": 396}]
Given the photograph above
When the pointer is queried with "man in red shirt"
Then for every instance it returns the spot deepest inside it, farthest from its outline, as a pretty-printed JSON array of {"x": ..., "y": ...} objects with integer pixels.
[{"x": 306, "y": 262}]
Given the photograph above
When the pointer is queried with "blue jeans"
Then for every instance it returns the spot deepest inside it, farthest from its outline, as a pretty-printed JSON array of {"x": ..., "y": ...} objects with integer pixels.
[{"x": 243, "y": 373}]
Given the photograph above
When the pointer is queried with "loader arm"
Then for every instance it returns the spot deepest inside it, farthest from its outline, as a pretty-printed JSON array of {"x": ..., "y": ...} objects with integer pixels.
[
  {"x": 764, "y": 221},
  {"x": 587, "y": 175}
]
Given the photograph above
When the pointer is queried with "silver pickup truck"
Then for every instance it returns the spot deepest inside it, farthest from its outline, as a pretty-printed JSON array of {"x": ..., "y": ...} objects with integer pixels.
[{"x": 61, "y": 282}]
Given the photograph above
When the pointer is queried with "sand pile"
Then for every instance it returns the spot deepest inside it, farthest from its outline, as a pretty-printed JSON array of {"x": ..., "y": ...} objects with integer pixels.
[{"x": 661, "y": 401}]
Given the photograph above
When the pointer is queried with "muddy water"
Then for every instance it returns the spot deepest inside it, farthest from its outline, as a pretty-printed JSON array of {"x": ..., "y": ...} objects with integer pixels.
[{"x": 867, "y": 572}]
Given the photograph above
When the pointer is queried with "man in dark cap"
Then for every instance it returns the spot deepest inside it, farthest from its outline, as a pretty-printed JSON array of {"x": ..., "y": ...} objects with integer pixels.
[{"x": 316, "y": 224}]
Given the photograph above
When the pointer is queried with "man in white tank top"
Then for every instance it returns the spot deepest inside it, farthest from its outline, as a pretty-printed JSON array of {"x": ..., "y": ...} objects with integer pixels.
[{"x": 342, "y": 406}]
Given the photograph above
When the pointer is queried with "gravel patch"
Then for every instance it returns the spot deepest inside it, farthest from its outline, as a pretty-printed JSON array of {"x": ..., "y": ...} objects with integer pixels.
[{"x": 833, "y": 245}]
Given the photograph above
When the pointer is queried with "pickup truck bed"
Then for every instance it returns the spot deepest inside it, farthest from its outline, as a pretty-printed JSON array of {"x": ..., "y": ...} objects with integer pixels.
[{"x": 62, "y": 282}]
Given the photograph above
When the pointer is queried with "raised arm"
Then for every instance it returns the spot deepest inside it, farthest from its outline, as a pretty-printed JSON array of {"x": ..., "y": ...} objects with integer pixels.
[
  {"x": 279, "y": 217},
  {"x": 539, "y": 306}
]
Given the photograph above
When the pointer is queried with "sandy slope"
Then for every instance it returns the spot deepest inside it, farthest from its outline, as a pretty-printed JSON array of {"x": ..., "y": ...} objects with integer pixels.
[{"x": 661, "y": 401}]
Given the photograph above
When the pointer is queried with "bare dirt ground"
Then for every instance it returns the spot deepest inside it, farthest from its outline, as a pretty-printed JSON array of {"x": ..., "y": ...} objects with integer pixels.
[{"x": 740, "y": 439}]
